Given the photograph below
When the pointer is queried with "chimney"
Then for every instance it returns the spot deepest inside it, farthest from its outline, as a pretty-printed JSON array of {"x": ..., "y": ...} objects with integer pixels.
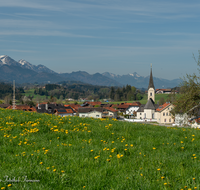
[{"x": 46, "y": 106}]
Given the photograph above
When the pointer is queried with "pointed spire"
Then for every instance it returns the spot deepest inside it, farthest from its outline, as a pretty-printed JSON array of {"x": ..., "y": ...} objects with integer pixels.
[{"x": 151, "y": 85}]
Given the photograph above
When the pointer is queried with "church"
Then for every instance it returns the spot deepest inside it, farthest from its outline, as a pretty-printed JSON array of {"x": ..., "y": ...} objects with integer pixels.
[{"x": 148, "y": 111}]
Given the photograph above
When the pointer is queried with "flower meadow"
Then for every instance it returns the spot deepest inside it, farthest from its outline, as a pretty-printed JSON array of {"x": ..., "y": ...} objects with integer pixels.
[{"x": 40, "y": 151}]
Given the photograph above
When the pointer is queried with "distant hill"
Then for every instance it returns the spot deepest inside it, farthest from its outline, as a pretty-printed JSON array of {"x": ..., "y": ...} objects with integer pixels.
[
  {"x": 25, "y": 72},
  {"x": 138, "y": 81}
]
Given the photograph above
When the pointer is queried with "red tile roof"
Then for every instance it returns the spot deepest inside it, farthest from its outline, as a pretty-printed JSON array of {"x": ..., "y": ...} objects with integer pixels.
[
  {"x": 162, "y": 107},
  {"x": 110, "y": 109},
  {"x": 94, "y": 103},
  {"x": 23, "y": 107}
]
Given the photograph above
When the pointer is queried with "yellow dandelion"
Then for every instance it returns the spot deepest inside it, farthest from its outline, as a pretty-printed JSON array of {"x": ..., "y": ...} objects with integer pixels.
[
  {"x": 194, "y": 155},
  {"x": 41, "y": 162},
  {"x": 47, "y": 168},
  {"x": 62, "y": 171},
  {"x": 154, "y": 148},
  {"x": 125, "y": 149},
  {"x": 91, "y": 150},
  {"x": 165, "y": 183},
  {"x": 54, "y": 170},
  {"x": 141, "y": 174},
  {"x": 9, "y": 185},
  {"x": 108, "y": 160},
  {"x": 131, "y": 145},
  {"x": 3, "y": 188},
  {"x": 193, "y": 178},
  {"x": 158, "y": 169},
  {"x": 162, "y": 177}
]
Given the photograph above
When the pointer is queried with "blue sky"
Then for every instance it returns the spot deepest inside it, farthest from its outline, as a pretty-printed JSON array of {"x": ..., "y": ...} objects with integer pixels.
[{"x": 114, "y": 36}]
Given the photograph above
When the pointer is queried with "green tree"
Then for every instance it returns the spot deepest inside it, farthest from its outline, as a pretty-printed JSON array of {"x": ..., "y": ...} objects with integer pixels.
[
  {"x": 189, "y": 95},
  {"x": 161, "y": 101}
]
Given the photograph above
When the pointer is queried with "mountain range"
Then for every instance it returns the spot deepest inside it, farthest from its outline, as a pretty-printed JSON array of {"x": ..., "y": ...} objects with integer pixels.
[{"x": 24, "y": 72}]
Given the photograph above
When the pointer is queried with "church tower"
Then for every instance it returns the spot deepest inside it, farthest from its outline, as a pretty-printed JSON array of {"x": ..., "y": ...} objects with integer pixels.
[{"x": 151, "y": 88}]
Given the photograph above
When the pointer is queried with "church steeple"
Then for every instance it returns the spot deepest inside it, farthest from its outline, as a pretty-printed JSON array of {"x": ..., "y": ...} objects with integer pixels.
[
  {"x": 151, "y": 88},
  {"x": 151, "y": 85}
]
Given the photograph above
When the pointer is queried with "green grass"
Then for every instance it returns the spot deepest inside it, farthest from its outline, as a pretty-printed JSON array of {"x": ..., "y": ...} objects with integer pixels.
[
  {"x": 84, "y": 153},
  {"x": 144, "y": 100},
  {"x": 35, "y": 96},
  {"x": 157, "y": 98}
]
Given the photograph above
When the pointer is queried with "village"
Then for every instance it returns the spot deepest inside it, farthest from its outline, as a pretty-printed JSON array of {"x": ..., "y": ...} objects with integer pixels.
[{"x": 129, "y": 112}]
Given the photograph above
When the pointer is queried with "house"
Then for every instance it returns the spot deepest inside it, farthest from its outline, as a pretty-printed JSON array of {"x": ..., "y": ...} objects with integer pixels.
[
  {"x": 109, "y": 112},
  {"x": 23, "y": 107},
  {"x": 165, "y": 91},
  {"x": 68, "y": 111},
  {"x": 74, "y": 107},
  {"x": 129, "y": 108},
  {"x": 105, "y": 112},
  {"x": 163, "y": 113},
  {"x": 90, "y": 112},
  {"x": 57, "y": 109}
]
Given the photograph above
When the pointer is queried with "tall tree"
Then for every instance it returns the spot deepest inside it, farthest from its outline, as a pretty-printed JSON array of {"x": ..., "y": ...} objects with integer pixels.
[{"x": 189, "y": 96}]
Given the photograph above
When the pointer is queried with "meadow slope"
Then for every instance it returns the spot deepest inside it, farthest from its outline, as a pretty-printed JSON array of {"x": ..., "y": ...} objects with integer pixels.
[{"x": 84, "y": 153}]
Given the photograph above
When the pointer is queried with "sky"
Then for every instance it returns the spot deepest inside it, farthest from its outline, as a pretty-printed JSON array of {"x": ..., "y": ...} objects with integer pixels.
[{"x": 117, "y": 36}]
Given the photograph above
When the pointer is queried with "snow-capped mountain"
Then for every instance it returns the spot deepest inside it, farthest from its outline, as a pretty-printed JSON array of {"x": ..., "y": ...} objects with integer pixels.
[
  {"x": 134, "y": 79},
  {"x": 25, "y": 72},
  {"x": 6, "y": 60},
  {"x": 38, "y": 68}
]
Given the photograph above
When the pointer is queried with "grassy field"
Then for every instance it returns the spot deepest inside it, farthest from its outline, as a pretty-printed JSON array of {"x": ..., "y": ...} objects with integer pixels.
[
  {"x": 144, "y": 100},
  {"x": 35, "y": 96},
  {"x": 157, "y": 98},
  {"x": 84, "y": 153}
]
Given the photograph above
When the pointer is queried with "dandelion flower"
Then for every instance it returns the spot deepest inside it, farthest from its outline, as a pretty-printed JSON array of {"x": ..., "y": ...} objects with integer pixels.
[
  {"x": 41, "y": 162},
  {"x": 158, "y": 169},
  {"x": 9, "y": 185},
  {"x": 154, "y": 148},
  {"x": 54, "y": 170},
  {"x": 165, "y": 183}
]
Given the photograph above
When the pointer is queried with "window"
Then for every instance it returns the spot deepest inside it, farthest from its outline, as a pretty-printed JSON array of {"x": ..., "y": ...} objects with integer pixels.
[
  {"x": 83, "y": 115},
  {"x": 151, "y": 94},
  {"x": 140, "y": 113},
  {"x": 165, "y": 120},
  {"x": 167, "y": 114},
  {"x": 163, "y": 113},
  {"x": 97, "y": 115},
  {"x": 170, "y": 120}
]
